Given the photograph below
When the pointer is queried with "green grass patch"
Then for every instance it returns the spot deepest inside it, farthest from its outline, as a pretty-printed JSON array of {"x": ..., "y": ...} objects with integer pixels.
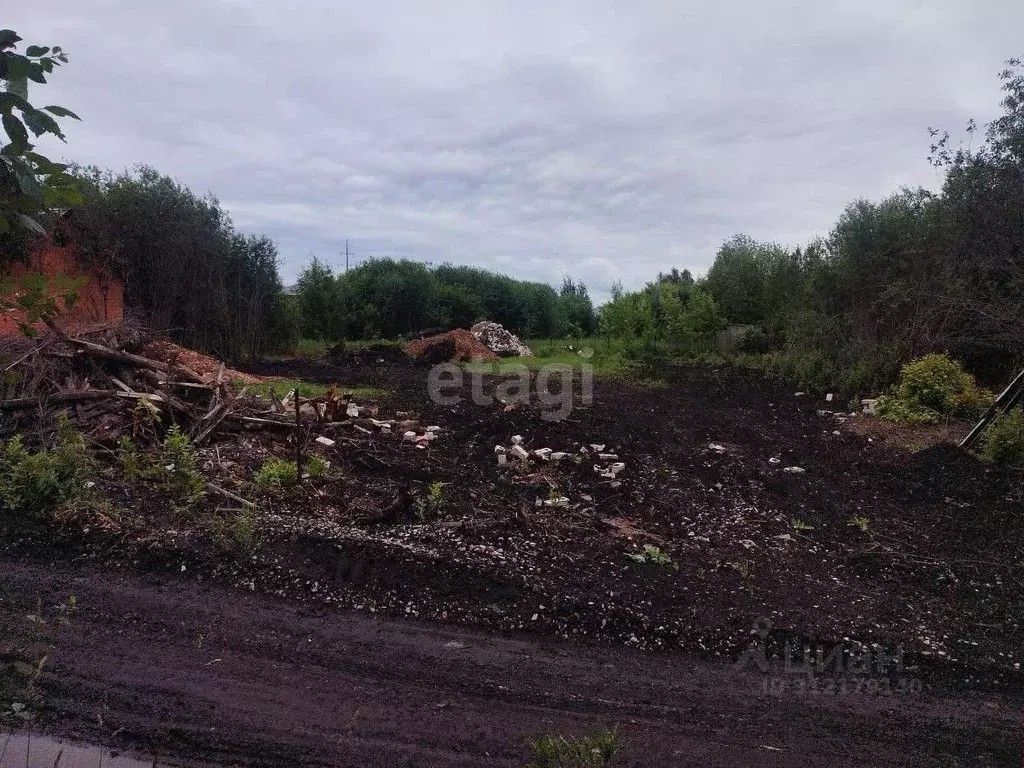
[
  {"x": 314, "y": 348},
  {"x": 309, "y": 389},
  {"x": 604, "y": 355},
  {"x": 276, "y": 473}
]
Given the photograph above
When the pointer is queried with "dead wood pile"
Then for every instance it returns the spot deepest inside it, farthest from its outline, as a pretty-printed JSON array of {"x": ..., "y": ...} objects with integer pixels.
[{"x": 111, "y": 379}]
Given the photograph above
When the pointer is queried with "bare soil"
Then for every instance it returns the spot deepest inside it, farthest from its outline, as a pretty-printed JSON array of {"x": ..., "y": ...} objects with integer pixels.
[
  {"x": 198, "y": 675},
  {"x": 916, "y": 555}
]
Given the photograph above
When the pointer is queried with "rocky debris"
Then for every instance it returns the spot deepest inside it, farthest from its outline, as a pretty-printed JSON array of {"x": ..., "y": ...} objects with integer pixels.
[
  {"x": 608, "y": 465},
  {"x": 499, "y": 341},
  {"x": 794, "y": 470},
  {"x": 558, "y": 502},
  {"x": 611, "y": 471},
  {"x": 458, "y": 346},
  {"x": 520, "y": 453}
]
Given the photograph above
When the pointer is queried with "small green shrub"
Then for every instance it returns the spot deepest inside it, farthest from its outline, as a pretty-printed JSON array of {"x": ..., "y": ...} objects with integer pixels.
[
  {"x": 557, "y": 751},
  {"x": 21, "y": 699},
  {"x": 316, "y": 466},
  {"x": 650, "y": 555},
  {"x": 43, "y": 481},
  {"x": 1004, "y": 439},
  {"x": 895, "y": 409},
  {"x": 235, "y": 534},
  {"x": 135, "y": 464},
  {"x": 181, "y": 475},
  {"x": 276, "y": 473},
  {"x": 860, "y": 522},
  {"x": 431, "y": 503}
]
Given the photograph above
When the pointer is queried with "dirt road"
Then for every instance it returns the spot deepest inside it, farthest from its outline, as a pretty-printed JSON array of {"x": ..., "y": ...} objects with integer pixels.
[{"x": 201, "y": 675}]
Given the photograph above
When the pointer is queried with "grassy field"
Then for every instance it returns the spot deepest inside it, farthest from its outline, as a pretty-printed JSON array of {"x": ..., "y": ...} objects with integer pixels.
[
  {"x": 314, "y": 348},
  {"x": 605, "y": 355},
  {"x": 309, "y": 389}
]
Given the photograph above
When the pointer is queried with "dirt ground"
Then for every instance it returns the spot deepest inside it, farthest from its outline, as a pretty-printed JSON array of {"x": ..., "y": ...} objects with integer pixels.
[
  {"x": 869, "y": 550},
  {"x": 196, "y": 674}
]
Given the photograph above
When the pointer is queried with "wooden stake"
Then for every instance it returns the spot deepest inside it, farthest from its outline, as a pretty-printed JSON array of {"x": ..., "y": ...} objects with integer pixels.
[
  {"x": 298, "y": 436},
  {"x": 1007, "y": 397}
]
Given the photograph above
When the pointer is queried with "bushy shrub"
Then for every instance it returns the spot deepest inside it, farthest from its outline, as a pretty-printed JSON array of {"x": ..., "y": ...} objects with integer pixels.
[
  {"x": 939, "y": 383},
  {"x": 316, "y": 466},
  {"x": 181, "y": 475},
  {"x": 235, "y": 533},
  {"x": 43, "y": 481},
  {"x": 276, "y": 473},
  {"x": 899, "y": 411},
  {"x": 754, "y": 342},
  {"x": 930, "y": 387},
  {"x": 135, "y": 464},
  {"x": 1004, "y": 439}
]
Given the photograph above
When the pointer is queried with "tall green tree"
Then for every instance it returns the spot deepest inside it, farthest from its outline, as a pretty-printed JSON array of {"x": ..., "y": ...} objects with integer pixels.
[{"x": 186, "y": 270}]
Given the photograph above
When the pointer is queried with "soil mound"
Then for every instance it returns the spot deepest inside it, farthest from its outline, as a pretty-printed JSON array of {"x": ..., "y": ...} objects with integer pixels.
[
  {"x": 204, "y": 365},
  {"x": 458, "y": 346}
]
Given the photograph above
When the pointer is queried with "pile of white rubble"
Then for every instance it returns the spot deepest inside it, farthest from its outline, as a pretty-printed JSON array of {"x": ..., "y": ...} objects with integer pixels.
[
  {"x": 607, "y": 464},
  {"x": 499, "y": 341}
]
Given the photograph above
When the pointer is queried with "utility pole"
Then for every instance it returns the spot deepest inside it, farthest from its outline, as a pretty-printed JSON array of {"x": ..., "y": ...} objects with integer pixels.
[{"x": 346, "y": 255}]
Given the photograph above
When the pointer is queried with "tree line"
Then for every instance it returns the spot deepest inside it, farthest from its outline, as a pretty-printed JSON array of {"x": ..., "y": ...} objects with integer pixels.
[
  {"x": 186, "y": 269},
  {"x": 913, "y": 273},
  {"x": 386, "y": 298}
]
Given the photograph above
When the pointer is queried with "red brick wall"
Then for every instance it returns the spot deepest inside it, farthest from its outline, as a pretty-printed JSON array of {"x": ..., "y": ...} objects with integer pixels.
[{"x": 100, "y": 298}]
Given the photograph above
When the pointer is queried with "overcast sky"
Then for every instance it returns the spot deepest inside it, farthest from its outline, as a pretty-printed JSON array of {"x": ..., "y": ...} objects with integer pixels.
[{"x": 608, "y": 140}]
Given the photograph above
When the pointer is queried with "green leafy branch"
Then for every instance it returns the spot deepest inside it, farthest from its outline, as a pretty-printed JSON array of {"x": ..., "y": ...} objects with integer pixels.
[{"x": 30, "y": 183}]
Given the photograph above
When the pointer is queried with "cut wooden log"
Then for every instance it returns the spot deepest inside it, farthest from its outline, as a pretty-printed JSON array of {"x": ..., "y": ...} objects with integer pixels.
[
  {"x": 98, "y": 350},
  {"x": 57, "y": 398},
  {"x": 229, "y": 495},
  {"x": 257, "y": 421},
  {"x": 213, "y": 420}
]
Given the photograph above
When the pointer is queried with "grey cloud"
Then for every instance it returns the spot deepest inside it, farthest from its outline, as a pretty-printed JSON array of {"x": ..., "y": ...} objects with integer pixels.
[{"x": 604, "y": 139}]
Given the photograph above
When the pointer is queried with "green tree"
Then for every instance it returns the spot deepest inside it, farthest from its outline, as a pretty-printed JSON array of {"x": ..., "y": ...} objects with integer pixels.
[
  {"x": 575, "y": 308},
  {"x": 317, "y": 301},
  {"x": 185, "y": 267},
  {"x": 30, "y": 183}
]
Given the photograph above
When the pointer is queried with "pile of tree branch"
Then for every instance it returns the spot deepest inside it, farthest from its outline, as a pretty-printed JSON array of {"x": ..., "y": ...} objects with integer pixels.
[{"x": 109, "y": 390}]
